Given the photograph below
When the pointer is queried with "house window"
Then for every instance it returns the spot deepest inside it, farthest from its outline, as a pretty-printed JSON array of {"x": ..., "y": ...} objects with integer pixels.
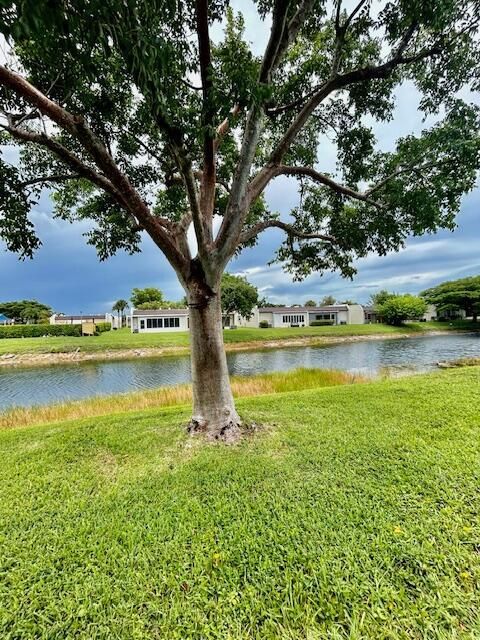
[
  {"x": 160, "y": 323},
  {"x": 325, "y": 316},
  {"x": 171, "y": 323},
  {"x": 294, "y": 319}
]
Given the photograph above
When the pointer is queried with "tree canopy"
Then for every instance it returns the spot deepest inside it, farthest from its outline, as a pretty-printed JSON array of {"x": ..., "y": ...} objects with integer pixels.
[
  {"x": 377, "y": 299},
  {"x": 146, "y": 296},
  {"x": 238, "y": 295},
  {"x": 327, "y": 301},
  {"x": 120, "y": 306},
  {"x": 26, "y": 311},
  {"x": 395, "y": 308},
  {"x": 454, "y": 295},
  {"x": 106, "y": 113}
]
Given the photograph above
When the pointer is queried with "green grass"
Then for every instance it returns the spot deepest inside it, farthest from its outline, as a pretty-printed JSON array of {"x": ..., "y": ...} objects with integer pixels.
[
  {"x": 354, "y": 515},
  {"x": 124, "y": 339}
]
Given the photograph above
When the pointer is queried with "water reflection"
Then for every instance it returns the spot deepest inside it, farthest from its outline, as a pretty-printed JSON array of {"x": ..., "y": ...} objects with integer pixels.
[{"x": 30, "y": 386}]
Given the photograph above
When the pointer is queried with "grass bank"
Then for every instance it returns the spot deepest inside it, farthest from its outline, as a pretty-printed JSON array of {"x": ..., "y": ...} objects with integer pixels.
[
  {"x": 116, "y": 344},
  {"x": 354, "y": 515},
  {"x": 278, "y": 382}
]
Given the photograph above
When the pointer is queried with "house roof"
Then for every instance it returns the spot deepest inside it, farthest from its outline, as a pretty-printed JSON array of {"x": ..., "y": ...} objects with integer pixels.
[
  {"x": 4, "y": 318},
  {"x": 159, "y": 313},
  {"x": 84, "y": 316},
  {"x": 330, "y": 308}
]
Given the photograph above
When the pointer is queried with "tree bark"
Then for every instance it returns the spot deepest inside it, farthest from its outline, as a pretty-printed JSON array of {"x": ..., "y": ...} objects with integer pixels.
[{"x": 214, "y": 412}]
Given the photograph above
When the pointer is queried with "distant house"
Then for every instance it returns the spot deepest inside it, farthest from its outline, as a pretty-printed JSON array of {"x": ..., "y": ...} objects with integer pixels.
[
  {"x": 304, "y": 316},
  {"x": 371, "y": 316},
  {"x": 157, "y": 320},
  {"x": 234, "y": 319},
  {"x": 5, "y": 320},
  {"x": 430, "y": 314},
  {"x": 60, "y": 318}
]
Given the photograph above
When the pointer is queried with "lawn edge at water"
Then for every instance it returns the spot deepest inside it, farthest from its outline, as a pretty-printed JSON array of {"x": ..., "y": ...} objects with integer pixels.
[
  {"x": 162, "y": 398},
  {"x": 13, "y": 358}
]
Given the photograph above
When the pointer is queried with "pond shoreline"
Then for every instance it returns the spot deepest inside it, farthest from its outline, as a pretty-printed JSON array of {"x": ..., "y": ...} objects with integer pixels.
[{"x": 72, "y": 357}]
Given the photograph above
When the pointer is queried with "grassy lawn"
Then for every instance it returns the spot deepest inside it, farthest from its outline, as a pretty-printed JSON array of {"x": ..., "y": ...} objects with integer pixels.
[
  {"x": 354, "y": 515},
  {"x": 124, "y": 339}
]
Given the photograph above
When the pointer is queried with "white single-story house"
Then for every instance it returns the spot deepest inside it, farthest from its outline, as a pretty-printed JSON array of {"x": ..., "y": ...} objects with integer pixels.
[
  {"x": 154, "y": 320},
  {"x": 151, "y": 320},
  {"x": 234, "y": 319},
  {"x": 84, "y": 318},
  {"x": 304, "y": 316}
]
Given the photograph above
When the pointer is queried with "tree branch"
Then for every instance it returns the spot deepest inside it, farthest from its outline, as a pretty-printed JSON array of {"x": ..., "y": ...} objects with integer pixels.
[
  {"x": 67, "y": 157},
  {"x": 322, "y": 178},
  {"x": 224, "y": 126},
  {"x": 398, "y": 172},
  {"x": 316, "y": 176},
  {"x": 112, "y": 176},
  {"x": 293, "y": 27},
  {"x": 281, "y": 35},
  {"x": 277, "y": 33},
  {"x": 59, "y": 177},
  {"x": 207, "y": 188},
  {"x": 348, "y": 21},
  {"x": 252, "y": 232},
  {"x": 334, "y": 83}
]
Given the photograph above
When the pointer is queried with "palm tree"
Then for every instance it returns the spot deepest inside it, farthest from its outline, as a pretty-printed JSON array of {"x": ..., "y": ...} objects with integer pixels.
[{"x": 119, "y": 307}]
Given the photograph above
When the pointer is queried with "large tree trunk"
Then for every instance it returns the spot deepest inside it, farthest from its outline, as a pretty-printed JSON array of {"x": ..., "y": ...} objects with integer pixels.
[{"x": 214, "y": 410}]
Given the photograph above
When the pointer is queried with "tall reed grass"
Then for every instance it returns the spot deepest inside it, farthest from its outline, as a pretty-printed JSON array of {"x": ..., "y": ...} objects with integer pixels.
[{"x": 263, "y": 384}]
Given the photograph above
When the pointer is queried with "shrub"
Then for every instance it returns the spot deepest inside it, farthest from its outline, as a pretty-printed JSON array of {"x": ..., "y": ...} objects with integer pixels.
[
  {"x": 263, "y": 324},
  {"x": 39, "y": 330},
  {"x": 321, "y": 323},
  {"x": 101, "y": 327},
  {"x": 398, "y": 308}
]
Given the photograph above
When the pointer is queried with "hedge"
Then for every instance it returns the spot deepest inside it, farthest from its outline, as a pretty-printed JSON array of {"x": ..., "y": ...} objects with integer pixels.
[
  {"x": 101, "y": 327},
  {"x": 263, "y": 324},
  {"x": 39, "y": 330}
]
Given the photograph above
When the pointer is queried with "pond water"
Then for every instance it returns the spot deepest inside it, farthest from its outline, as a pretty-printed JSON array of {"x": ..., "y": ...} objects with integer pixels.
[{"x": 47, "y": 385}]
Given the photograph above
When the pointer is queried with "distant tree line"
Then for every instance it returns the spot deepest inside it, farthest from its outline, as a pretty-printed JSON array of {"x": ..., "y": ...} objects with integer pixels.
[
  {"x": 456, "y": 296},
  {"x": 451, "y": 299},
  {"x": 26, "y": 311}
]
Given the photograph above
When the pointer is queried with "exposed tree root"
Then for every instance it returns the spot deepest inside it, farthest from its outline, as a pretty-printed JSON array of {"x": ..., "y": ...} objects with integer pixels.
[{"x": 229, "y": 432}]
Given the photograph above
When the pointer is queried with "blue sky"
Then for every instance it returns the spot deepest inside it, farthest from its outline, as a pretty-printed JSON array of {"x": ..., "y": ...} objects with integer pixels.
[{"x": 67, "y": 275}]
